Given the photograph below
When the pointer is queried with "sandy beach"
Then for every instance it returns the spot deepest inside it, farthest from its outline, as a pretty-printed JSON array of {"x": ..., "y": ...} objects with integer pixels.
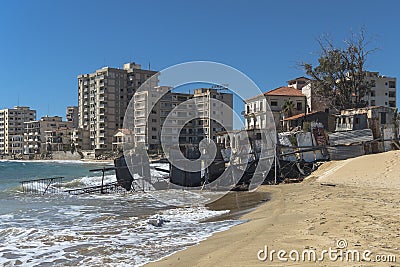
[{"x": 345, "y": 205}]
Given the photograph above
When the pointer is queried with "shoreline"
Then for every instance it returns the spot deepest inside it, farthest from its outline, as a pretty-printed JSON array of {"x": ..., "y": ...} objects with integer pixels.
[
  {"x": 314, "y": 214},
  {"x": 238, "y": 204},
  {"x": 58, "y": 160}
]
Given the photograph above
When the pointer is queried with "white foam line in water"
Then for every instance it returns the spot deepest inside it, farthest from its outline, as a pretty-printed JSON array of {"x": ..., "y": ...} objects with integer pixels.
[{"x": 104, "y": 239}]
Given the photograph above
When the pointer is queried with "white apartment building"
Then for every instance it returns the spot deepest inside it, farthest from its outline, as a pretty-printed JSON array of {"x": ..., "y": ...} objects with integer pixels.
[
  {"x": 147, "y": 116},
  {"x": 383, "y": 90},
  {"x": 103, "y": 97},
  {"x": 12, "y": 128},
  {"x": 46, "y": 135},
  {"x": 256, "y": 107}
]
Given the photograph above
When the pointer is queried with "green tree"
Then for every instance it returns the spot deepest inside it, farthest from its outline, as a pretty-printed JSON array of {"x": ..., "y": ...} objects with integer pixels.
[{"x": 340, "y": 73}]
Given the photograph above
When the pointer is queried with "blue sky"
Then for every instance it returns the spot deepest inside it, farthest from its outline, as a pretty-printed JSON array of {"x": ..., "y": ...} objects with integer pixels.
[{"x": 46, "y": 44}]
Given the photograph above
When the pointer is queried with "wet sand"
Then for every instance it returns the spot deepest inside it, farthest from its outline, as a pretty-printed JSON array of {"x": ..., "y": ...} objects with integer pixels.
[{"x": 356, "y": 200}]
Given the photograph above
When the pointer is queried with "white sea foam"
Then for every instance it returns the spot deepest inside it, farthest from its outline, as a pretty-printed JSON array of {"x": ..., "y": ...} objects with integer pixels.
[
  {"x": 102, "y": 230},
  {"x": 89, "y": 238}
]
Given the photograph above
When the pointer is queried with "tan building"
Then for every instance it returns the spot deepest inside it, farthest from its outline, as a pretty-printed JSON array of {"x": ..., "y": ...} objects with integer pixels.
[
  {"x": 46, "y": 135},
  {"x": 72, "y": 116},
  {"x": 103, "y": 98},
  {"x": 256, "y": 109},
  {"x": 12, "y": 129},
  {"x": 81, "y": 139}
]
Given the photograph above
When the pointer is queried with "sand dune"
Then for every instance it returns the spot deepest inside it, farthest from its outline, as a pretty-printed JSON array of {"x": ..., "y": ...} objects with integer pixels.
[
  {"x": 356, "y": 200},
  {"x": 377, "y": 170}
]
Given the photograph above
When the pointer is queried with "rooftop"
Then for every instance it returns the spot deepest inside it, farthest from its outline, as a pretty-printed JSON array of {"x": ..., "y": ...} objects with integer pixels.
[
  {"x": 285, "y": 91},
  {"x": 298, "y": 116},
  {"x": 299, "y": 78}
]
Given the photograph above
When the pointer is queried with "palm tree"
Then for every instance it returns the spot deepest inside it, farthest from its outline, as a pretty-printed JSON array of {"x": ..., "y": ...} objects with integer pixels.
[{"x": 287, "y": 108}]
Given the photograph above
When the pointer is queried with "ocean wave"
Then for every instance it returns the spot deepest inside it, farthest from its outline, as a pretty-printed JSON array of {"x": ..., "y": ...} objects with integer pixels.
[{"x": 89, "y": 181}]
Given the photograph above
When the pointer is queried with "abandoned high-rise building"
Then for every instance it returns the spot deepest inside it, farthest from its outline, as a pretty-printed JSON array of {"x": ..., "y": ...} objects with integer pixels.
[{"x": 103, "y": 97}]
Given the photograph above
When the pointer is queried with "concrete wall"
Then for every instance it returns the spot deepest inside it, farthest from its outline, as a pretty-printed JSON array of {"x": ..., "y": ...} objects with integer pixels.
[{"x": 61, "y": 155}]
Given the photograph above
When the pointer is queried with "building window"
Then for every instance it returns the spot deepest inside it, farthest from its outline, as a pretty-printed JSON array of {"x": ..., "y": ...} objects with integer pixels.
[
  {"x": 392, "y": 84},
  {"x": 372, "y": 93},
  {"x": 154, "y": 129},
  {"x": 299, "y": 106},
  {"x": 357, "y": 120},
  {"x": 373, "y": 83},
  {"x": 274, "y": 103},
  {"x": 372, "y": 102},
  {"x": 392, "y": 94},
  {"x": 153, "y": 137},
  {"x": 383, "y": 117}
]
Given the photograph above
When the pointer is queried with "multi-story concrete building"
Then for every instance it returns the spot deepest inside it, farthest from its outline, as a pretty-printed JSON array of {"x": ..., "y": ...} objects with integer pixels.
[
  {"x": 383, "y": 90},
  {"x": 46, "y": 135},
  {"x": 256, "y": 109},
  {"x": 151, "y": 108},
  {"x": 103, "y": 98},
  {"x": 173, "y": 106},
  {"x": 12, "y": 128},
  {"x": 215, "y": 110},
  {"x": 72, "y": 116},
  {"x": 80, "y": 139},
  {"x": 154, "y": 106},
  {"x": 147, "y": 116}
]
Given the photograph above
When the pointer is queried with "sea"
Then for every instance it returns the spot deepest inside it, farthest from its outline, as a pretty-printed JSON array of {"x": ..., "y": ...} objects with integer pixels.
[{"x": 60, "y": 229}]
